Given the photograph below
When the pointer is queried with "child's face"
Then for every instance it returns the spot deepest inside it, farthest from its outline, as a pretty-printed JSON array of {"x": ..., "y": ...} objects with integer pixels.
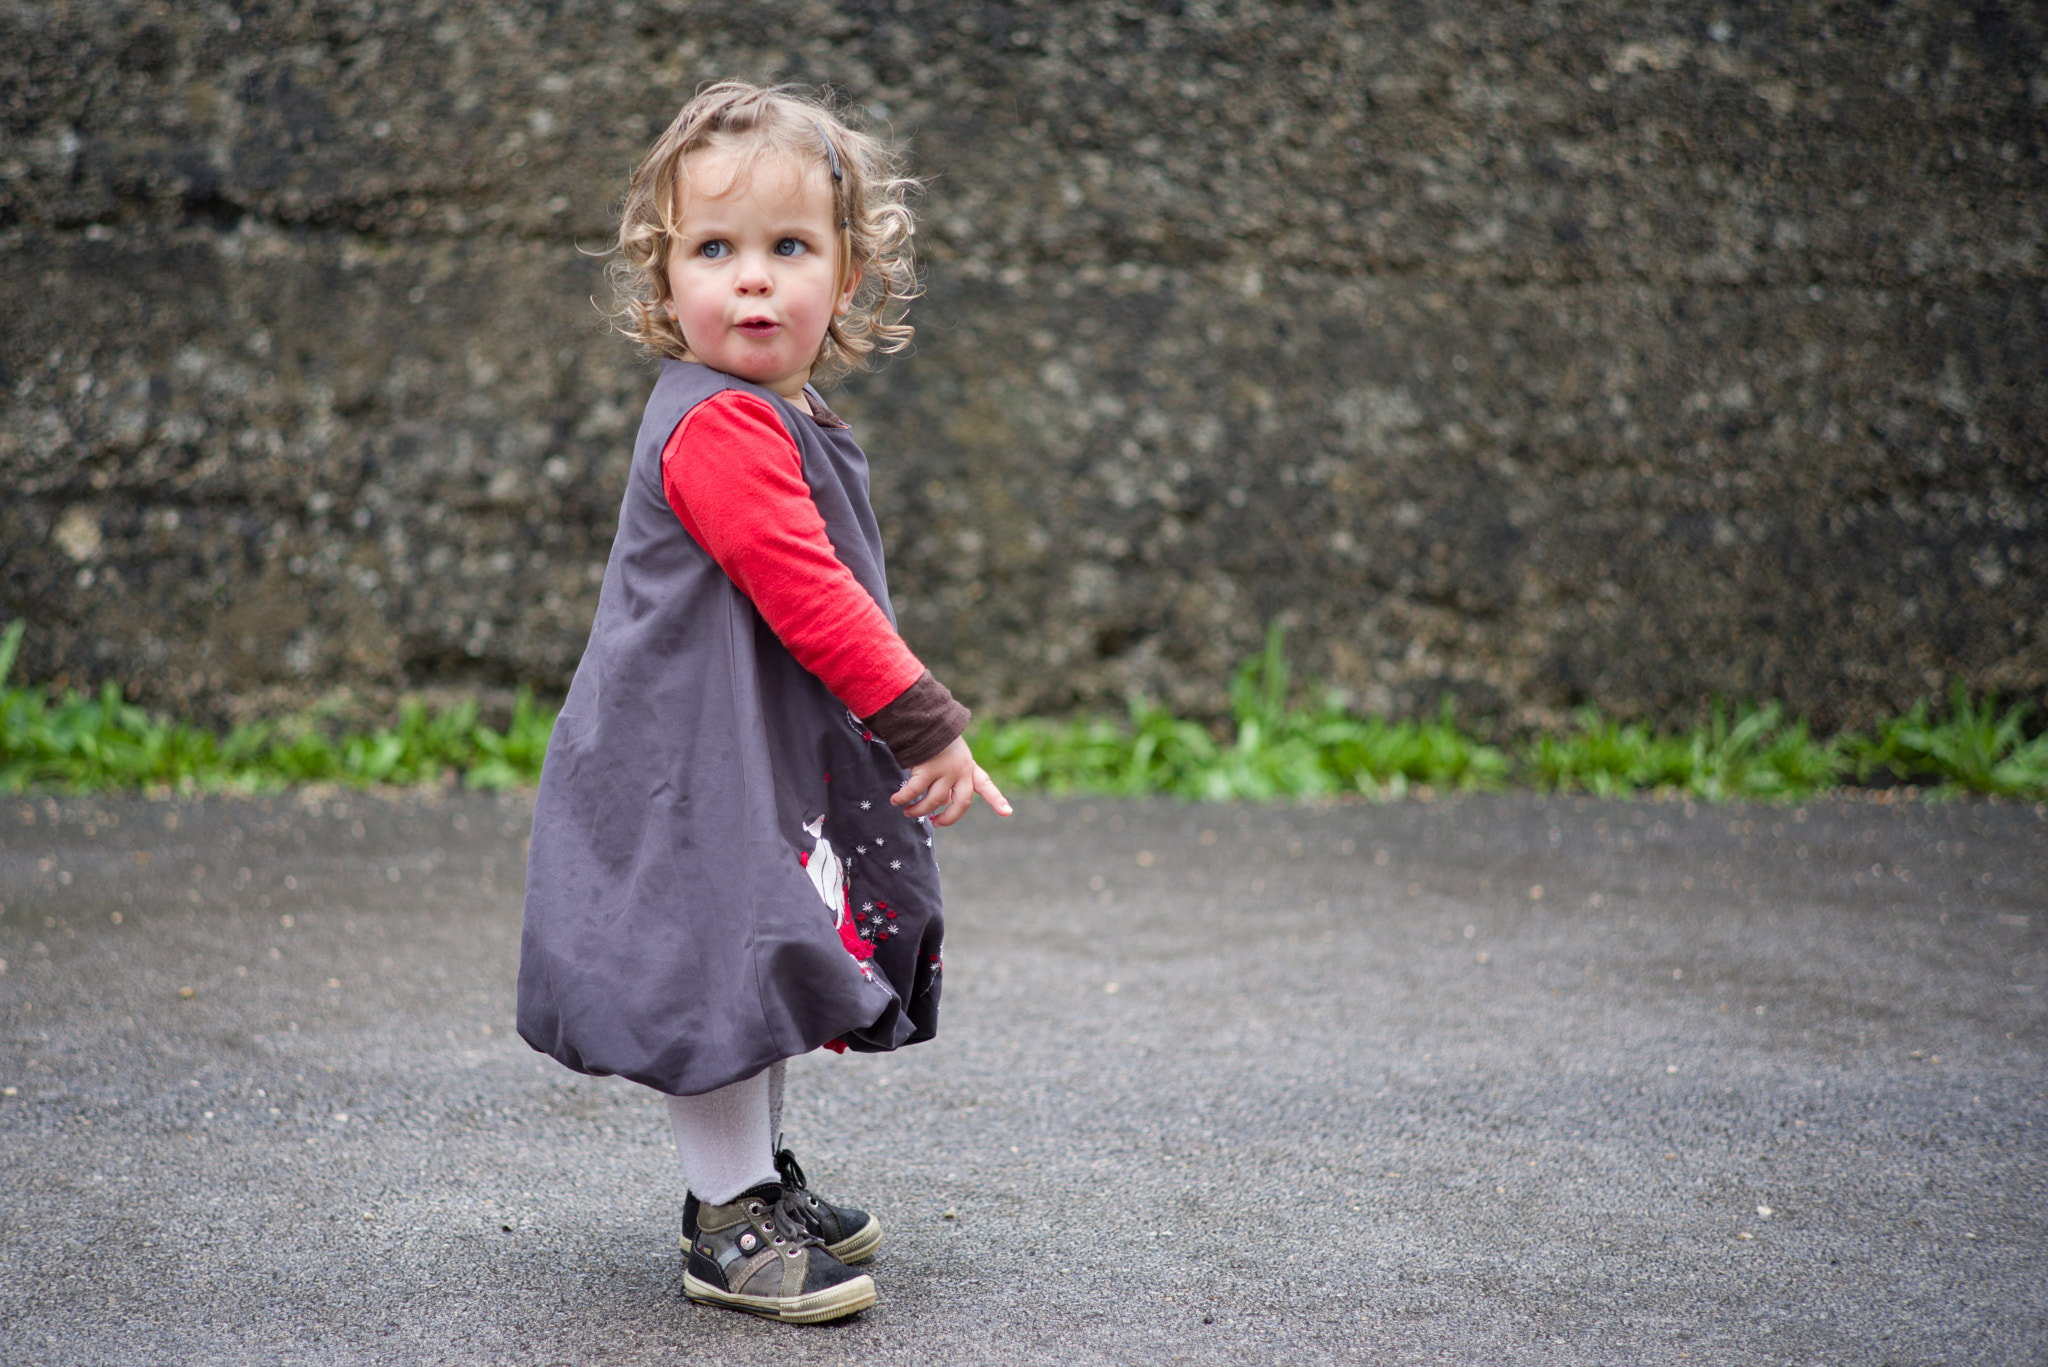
[{"x": 753, "y": 272}]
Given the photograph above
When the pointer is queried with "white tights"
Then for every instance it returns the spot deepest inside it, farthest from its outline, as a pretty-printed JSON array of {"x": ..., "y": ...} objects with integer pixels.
[{"x": 726, "y": 1138}]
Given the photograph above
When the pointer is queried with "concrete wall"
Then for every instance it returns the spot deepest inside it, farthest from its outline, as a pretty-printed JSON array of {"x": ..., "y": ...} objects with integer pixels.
[{"x": 1539, "y": 353}]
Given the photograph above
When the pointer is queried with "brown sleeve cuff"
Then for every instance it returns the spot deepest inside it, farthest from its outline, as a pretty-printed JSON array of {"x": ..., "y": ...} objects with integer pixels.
[{"x": 923, "y": 720}]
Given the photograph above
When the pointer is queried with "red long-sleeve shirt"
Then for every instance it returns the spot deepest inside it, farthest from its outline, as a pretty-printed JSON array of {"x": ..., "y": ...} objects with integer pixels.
[{"x": 735, "y": 479}]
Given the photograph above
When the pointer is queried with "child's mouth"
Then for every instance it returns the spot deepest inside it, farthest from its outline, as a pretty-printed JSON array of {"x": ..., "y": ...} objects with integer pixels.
[{"x": 758, "y": 327}]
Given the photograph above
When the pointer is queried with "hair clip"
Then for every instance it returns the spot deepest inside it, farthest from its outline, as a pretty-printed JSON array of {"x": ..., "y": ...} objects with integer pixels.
[{"x": 831, "y": 152}]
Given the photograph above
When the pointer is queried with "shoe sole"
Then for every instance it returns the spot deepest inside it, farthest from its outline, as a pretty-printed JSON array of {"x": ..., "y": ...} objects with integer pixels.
[
  {"x": 860, "y": 1245},
  {"x": 834, "y": 1302}
]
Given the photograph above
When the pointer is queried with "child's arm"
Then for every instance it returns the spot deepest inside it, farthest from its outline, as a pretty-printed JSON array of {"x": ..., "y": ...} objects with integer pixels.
[{"x": 735, "y": 480}]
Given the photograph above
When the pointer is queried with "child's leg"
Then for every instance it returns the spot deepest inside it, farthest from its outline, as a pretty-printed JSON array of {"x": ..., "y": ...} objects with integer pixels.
[
  {"x": 743, "y": 1247},
  {"x": 726, "y": 1138}
]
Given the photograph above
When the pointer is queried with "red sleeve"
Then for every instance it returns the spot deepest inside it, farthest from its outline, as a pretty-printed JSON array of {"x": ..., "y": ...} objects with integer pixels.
[{"x": 735, "y": 479}]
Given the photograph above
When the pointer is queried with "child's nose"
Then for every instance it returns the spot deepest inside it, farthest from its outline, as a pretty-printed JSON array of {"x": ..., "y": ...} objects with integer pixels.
[{"x": 754, "y": 277}]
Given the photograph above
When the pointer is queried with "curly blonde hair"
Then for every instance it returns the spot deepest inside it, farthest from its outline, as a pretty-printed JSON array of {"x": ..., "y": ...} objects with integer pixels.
[{"x": 868, "y": 192}]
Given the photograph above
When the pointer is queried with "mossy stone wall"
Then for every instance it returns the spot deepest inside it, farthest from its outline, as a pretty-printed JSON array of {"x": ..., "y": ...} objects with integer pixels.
[{"x": 1542, "y": 353}]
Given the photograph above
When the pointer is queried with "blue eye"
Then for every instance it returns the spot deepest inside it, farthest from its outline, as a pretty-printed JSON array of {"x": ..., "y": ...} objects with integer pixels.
[
  {"x": 789, "y": 246},
  {"x": 712, "y": 251}
]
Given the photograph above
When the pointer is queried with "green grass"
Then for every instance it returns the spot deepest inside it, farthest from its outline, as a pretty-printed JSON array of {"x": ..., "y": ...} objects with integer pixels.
[
  {"x": 1268, "y": 748},
  {"x": 1754, "y": 755},
  {"x": 80, "y": 741},
  {"x": 1976, "y": 749}
]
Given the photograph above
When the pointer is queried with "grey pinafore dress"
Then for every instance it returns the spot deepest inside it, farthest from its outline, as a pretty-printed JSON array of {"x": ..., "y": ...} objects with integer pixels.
[{"x": 712, "y": 841}]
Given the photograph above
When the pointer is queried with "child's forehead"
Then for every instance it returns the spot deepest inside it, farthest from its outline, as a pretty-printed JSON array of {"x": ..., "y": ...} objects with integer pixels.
[{"x": 730, "y": 168}]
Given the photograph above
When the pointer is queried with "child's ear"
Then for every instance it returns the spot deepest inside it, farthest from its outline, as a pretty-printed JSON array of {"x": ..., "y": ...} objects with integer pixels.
[{"x": 845, "y": 304}]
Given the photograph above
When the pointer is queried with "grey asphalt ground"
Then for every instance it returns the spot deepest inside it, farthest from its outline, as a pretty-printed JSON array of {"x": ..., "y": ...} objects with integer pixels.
[{"x": 1474, "y": 1081}]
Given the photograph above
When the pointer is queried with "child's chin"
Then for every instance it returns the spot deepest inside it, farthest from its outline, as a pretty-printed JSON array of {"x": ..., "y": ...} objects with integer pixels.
[
  {"x": 738, "y": 368},
  {"x": 767, "y": 376}
]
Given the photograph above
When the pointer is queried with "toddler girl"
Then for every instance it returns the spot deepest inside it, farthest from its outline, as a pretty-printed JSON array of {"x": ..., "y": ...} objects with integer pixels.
[{"x": 730, "y": 864}]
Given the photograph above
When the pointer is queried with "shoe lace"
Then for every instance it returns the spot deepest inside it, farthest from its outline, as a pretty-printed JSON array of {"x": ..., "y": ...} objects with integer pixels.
[
  {"x": 792, "y": 1173},
  {"x": 789, "y": 1219}
]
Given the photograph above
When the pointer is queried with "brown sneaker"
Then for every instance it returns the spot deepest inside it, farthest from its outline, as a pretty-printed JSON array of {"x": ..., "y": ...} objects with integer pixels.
[
  {"x": 848, "y": 1234},
  {"x": 758, "y": 1254}
]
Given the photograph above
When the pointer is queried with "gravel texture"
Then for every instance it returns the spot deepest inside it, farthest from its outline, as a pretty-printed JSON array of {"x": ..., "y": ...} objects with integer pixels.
[{"x": 1505, "y": 1079}]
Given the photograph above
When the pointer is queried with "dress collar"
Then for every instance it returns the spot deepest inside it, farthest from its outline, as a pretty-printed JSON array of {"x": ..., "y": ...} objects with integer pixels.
[{"x": 820, "y": 414}]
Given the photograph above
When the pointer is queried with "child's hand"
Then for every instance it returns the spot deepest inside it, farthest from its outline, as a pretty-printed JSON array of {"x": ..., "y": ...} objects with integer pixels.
[{"x": 946, "y": 784}]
